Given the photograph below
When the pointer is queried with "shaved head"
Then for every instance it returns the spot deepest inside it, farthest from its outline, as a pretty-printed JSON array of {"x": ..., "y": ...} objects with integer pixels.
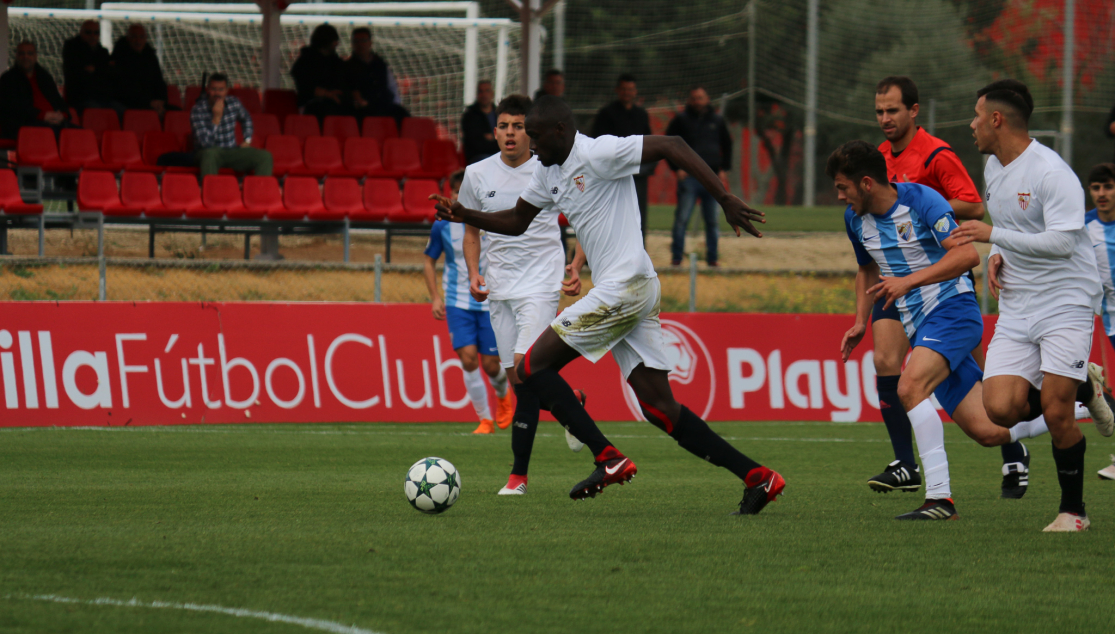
[{"x": 552, "y": 130}]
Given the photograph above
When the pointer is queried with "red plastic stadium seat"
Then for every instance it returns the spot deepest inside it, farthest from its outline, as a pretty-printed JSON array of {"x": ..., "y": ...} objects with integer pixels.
[
  {"x": 341, "y": 127},
  {"x": 439, "y": 158},
  {"x": 139, "y": 193},
  {"x": 80, "y": 146},
  {"x": 35, "y": 146},
  {"x": 10, "y": 200},
  {"x": 221, "y": 195},
  {"x": 380, "y": 128},
  {"x": 323, "y": 157},
  {"x": 141, "y": 122},
  {"x": 155, "y": 144},
  {"x": 280, "y": 102},
  {"x": 400, "y": 158},
  {"x": 362, "y": 156},
  {"x": 249, "y": 98},
  {"x": 192, "y": 93},
  {"x": 416, "y": 201},
  {"x": 119, "y": 148},
  {"x": 262, "y": 197},
  {"x": 181, "y": 194},
  {"x": 263, "y": 126},
  {"x": 286, "y": 155},
  {"x": 96, "y": 191},
  {"x": 381, "y": 199},
  {"x": 302, "y": 198},
  {"x": 173, "y": 96},
  {"x": 301, "y": 126},
  {"x": 100, "y": 119},
  {"x": 419, "y": 128},
  {"x": 342, "y": 198},
  {"x": 177, "y": 122}
]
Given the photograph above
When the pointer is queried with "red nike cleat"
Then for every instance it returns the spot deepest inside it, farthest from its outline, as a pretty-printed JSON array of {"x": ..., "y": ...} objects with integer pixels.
[
  {"x": 611, "y": 467},
  {"x": 763, "y": 487}
]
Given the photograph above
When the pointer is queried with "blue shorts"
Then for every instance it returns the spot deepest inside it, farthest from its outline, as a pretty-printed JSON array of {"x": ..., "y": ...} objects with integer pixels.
[
  {"x": 953, "y": 330},
  {"x": 471, "y": 328}
]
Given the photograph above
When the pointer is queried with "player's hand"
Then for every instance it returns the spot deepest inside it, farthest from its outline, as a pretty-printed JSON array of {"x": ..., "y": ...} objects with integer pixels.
[
  {"x": 474, "y": 284},
  {"x": 437, "y": 307},
  {"x": 450, "y": 210},
  {"x": 971, "y": 231},
  {"x": 890, "y": 289},
  {"x": 994, "y": 267},
  {"x": 739, "y": 215},
  {"x": 571, "y": 286},
  {"x": 851, "y": 340}
]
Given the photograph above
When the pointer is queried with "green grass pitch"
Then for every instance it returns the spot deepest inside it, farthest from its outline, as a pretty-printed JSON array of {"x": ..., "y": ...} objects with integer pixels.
[{"x": 310, "y": 522}]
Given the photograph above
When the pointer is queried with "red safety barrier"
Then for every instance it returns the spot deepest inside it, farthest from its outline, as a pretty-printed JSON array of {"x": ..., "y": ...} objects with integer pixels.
[{"x": 124, "y": 363}]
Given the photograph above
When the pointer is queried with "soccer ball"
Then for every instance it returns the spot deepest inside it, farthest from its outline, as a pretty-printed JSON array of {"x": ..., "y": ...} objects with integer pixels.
[{"x": 432, "y": 485}]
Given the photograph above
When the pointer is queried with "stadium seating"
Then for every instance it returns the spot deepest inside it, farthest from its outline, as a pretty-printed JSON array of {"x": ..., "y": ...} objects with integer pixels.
[
  {"x": 341, "y": 127},
  {"x": 302, "y": 198},
  {"x": 322, "y": 156},
  {"x": 181, "y": 195},
  {"x": 249, "y": 98},
  {"x": 363, "y": 156},
  {"x": 381, "y": 200},
  {"x": 221, "y": 195},
  {"x": 178, "y": 123},
  {"x": 416, "y": 201},
  {"x": 173, "y": 96},
  {"x": 380, "y": 128},
  {"x": 155, "y": 144},
  {"x": 286, "y": 155},
  {"x": 119, "y": 149},
  {"x": 419, "y": 128},
  {"x": 100, "y": 119},
  {"x": 262, "y": 197},
  {"x": 301, "y": 126},
  {"x": 96, "y": 191},
  {"x": 401, "y": 158},
  {"x": 80, "y": 147},
  {"x": 10, "y": 200},
  {"x": 141, "y": 122},
  {"x": 139, "y": 193},
  {"x": 263, "y": 126},
  {"x": 36, "y": 147},
  {"x": 439, "y": 158},
  {"x": 343, "y": 198},
  {"x": 280, "y": 102},
  {"x": 192, "y": 93}
]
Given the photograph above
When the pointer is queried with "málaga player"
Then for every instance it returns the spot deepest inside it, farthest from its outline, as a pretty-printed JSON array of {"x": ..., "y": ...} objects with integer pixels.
[
  {"x": 900, "y": 233},
  {"x": 589, "y": 180},
  {"x": 1044, "y": 269},
  {"x": 1100, "y": 222},
  {"x": 519, "y": 277},
  {"x": 470, "y": 330}
]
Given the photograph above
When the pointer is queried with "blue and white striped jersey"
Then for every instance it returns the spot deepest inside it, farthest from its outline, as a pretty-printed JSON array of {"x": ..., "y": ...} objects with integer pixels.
[
  {"x": 448, "y": 238},
  {"x": 1103, "y": 242},
  {"x": 905, "y": 240}
]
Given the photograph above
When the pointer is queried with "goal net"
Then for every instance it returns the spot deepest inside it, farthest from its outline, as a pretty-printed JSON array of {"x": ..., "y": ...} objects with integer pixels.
[{"x": 427, "y": 54}]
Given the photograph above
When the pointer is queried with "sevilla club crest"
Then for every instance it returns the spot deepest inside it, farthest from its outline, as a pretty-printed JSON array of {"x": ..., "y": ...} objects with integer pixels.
[
  {"x": 1023, "y": 200},
  {"x": 579, "y": 181}
]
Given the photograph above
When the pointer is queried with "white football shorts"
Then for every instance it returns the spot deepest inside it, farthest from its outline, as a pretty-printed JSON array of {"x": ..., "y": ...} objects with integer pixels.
[
  {"x": 1058, "y": 343},
  {"x": 624, "y": 321},
  {"x": 519, "y": 322}
]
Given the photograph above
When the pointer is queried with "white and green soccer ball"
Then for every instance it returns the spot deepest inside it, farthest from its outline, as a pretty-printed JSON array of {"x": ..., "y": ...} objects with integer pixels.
[{"x": 432, "y": 485}]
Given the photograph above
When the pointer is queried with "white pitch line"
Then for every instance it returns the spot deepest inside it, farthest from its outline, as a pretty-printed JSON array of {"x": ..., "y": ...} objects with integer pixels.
[{"x": 313, "y": 624}]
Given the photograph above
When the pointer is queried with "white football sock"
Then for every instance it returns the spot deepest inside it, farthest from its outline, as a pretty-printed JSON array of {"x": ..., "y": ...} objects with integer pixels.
[
  {"x": 499, "y": 383},
  {"x": 930, "y": 434},
  {"x": 478, "y": 393},
  {"x": 1029, "y": 429},
  {"x": 1082, "y": 412}
]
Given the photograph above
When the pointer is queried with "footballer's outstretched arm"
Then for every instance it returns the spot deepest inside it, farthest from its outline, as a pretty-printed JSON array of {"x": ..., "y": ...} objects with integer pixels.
[
  {"x": 960, "y": 259},
  {"x": 510, "y": 222},
  {"x": 675, "y": 150},
  {"x": 866, "y": 277}
]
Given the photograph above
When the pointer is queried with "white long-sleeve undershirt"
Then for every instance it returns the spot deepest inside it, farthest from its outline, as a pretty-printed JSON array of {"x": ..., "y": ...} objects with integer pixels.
[{"x": 1047, "y": 244}]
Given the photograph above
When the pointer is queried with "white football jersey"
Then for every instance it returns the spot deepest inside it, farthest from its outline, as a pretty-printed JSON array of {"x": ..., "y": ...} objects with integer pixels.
[
  {"x": 1039, "y": 192},
  {"x": 595, "y": 191},
  {"x": 517, "y": 266}
]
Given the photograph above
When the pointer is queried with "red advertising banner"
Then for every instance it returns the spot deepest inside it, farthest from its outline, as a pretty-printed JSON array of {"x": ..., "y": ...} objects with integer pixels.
[{"x": 124, "y": 363}]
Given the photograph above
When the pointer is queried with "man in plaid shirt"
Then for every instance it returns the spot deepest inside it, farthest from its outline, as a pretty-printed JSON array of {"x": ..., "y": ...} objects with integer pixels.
[{"x": 213, "y": 119}]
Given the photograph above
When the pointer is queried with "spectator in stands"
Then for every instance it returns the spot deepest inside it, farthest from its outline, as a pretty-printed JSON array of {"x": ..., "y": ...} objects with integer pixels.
[
  {"x": 213, "y": 119},
  {"x": 1110, "y": 129},
  {"x": 478, "y": 125},
  {"x": 29, "y": 96},
  {"x": 705, "y": 131},
  {"x": 319, "y": 75},
  {"x": 375, "y": 93},
  {"x": 86, "y": 70},
  {"x": 139, "y": 77},
  {"x": 622, "y": 118},
  {"x": 553, "y": 84}
]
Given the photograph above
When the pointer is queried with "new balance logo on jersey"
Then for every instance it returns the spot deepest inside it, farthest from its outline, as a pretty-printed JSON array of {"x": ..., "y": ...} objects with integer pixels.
[
  {"x": 566, "y": 323},
  {"x": 1077, "y": 364},
  {"x": 492, "y": 194},
  {"x": 554, "y": 191}
]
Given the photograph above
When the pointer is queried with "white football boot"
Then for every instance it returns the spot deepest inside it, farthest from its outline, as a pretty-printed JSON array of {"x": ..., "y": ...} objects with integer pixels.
[
  {"x": 1108, "y": 473},
  {"x": 1100, "y": 410},
  {"x": 1068, "y": 523},
  {"x": 572, "y": 441},
  {"x": 515, "y": 486}
]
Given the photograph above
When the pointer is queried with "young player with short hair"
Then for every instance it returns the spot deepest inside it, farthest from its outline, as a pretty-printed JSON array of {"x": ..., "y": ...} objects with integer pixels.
[
  {"x": 1043, "y": 269},
  {"x": 1100, "y": 222},
  {"x": 519, "y": 278},
  {"x": 900, "y": 233},
  {"x": 590, "y": 181},
  {"x": 470, "y": 330}
]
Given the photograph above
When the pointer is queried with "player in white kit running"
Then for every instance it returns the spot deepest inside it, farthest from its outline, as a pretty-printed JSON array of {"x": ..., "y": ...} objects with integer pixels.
[
  {"x": 1044, "y": 271},
  {"x": 589, "y": 180},
  {"x": 523, "y": 279}
]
